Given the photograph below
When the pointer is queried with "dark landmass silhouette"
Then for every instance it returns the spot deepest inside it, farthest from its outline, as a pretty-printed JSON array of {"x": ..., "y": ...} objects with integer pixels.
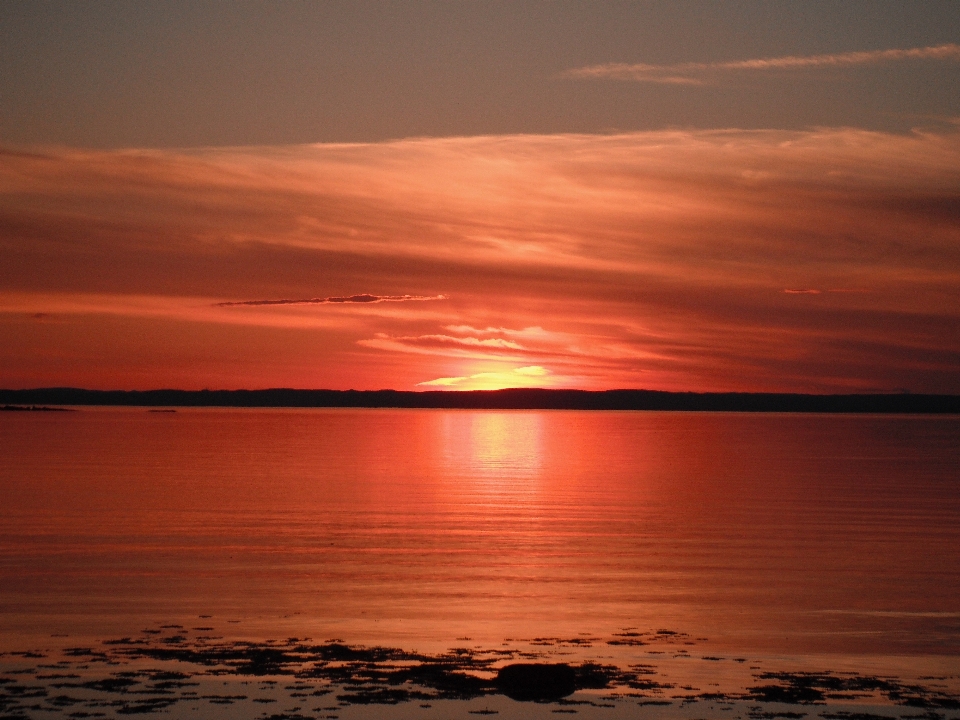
[
  {"x": 32, "y": 408},
  {"x": 510, "y": 399}
]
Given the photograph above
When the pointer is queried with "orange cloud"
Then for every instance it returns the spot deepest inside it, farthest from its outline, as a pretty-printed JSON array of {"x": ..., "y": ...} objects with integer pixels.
[
  {"x": 693, "y": 73},
  {"x": 667, "y": 260}
]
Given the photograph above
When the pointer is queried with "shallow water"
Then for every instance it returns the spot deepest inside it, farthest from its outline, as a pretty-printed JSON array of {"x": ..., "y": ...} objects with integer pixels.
[{"x": 827, "y": 541}]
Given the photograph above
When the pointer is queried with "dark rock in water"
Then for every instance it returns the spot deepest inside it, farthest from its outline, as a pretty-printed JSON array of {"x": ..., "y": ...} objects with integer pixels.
[{"x": 537, "y": 682}]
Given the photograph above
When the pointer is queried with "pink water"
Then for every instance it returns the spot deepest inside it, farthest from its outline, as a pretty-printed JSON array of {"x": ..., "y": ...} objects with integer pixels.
[{"x": 785, "y": 534}]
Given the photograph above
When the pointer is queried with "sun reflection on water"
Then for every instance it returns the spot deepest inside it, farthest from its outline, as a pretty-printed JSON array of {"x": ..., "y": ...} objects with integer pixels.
[{"x": 493, "y": 444}]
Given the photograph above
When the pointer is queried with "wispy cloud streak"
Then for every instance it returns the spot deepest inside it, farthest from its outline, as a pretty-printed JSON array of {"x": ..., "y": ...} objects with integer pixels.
[
  {"x": 363, "y": 299},
  {"x": 693, "y": 73}
]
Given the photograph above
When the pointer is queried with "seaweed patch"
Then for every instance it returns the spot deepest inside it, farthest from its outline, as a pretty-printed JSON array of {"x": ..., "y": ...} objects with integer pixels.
[{"x": 174, "y": 670}]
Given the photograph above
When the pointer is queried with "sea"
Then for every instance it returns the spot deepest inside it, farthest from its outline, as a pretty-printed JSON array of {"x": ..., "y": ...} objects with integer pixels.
[{"x": 356, "y": 563}]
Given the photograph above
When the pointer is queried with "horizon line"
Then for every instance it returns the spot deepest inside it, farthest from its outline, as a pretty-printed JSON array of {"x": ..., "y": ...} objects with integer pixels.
[
  {"x": 453, "y": 391},
  {"x": 500, "y": 399}
]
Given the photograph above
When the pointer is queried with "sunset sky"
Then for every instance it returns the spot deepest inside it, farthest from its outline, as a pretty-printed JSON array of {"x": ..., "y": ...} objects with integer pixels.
[{"x": 750, "y": 196}]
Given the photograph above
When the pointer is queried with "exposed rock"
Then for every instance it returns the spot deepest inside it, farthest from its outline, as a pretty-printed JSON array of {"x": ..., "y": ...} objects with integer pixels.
[{"x": 537, "y": 682}]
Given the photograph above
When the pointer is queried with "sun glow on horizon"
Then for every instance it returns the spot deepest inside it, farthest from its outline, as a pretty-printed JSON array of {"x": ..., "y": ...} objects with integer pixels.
[{"x": 529, "y": 376}]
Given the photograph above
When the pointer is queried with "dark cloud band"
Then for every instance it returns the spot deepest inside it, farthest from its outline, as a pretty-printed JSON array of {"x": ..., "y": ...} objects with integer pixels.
[{"x": 362, "y": 298}]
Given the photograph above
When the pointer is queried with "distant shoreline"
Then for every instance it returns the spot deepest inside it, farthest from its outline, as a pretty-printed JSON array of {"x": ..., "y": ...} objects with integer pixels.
[
  {"x": 32, "y": 408},
  {"x": 511, "y": 399}
]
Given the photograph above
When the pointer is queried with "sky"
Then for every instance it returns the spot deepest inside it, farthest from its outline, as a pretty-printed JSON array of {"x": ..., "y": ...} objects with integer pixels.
[{"x": 738, "y": 196}]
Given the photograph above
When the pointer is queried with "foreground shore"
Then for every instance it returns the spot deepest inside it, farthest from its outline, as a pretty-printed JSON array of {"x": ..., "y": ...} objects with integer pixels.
[{"x": 170, "y": 669}]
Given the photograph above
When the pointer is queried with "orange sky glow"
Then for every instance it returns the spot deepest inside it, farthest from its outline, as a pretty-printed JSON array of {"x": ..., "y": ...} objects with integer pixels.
[{"x": 825, "y": 260}]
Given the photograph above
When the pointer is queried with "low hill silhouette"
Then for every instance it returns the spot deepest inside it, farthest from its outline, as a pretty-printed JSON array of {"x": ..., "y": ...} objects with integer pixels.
[{"x": 510, "y": 399}]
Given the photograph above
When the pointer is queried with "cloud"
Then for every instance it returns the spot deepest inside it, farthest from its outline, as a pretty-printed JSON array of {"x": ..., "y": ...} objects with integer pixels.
[
  {"x": 153, "y": 308},
  {"x": 498, "y": 343},
  {"x": 438, "y": 344},
  {"x": 516, "y": 377},
  {"x": 813, "y": 291},
  {"x": 363, "y": 298},
  {"x": 652, "y": 259},
  {"x": 532, "y": 370},
  {"x": 560, "y": 349},
  {"x": 692, "y": 73},
  {"x": 534, "y": 332}
]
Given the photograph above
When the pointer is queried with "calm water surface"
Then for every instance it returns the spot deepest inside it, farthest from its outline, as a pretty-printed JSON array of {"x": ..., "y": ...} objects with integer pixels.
[{"x": 785, "y": 534}]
